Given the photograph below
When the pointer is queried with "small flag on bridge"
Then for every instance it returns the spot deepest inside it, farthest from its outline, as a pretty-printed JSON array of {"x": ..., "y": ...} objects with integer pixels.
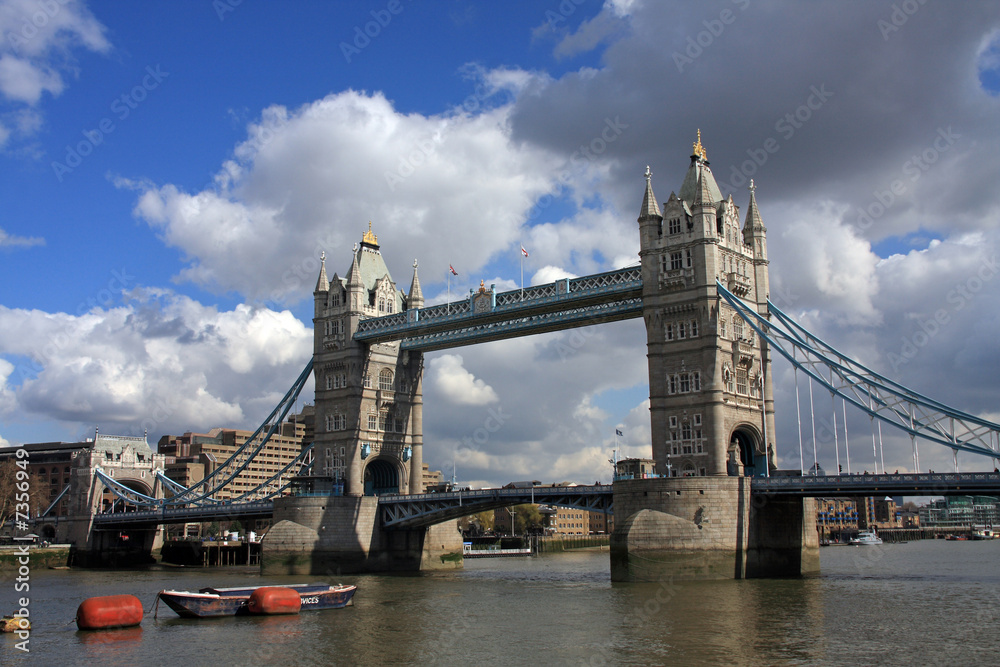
[
  {"x": 523, "y": 251},
  {"x": 452, "y": 269},
  {"x": 618, "y": 432}
]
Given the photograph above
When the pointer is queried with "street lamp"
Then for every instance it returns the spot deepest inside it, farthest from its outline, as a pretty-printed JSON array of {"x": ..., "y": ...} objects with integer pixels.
[{"x": 512, "y": 513}]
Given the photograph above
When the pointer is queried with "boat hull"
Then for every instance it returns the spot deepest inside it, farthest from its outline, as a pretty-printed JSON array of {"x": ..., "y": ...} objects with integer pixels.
[{"x": 213, "y": 602}]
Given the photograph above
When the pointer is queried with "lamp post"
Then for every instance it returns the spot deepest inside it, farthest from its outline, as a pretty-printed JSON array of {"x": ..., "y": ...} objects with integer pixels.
[{"x": 512, "y": 513}]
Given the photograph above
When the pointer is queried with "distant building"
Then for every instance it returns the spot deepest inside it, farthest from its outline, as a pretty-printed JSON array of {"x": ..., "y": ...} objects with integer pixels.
[
  {"x": 434, "y": 481},
  {"x": 834, "y": 515},
  {"x": 48, "y": 467},
  {"x": 191, "y": 457},
  {"x": 961, "y": 512},
  {"x": 569, "y": 521}
]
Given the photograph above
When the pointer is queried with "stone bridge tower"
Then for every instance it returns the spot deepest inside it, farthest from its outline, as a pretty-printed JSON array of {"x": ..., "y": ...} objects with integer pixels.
[
  {"x": 710, "y": 392},
  {"x": 369, "y": 401},
  {"x": 368, "y": 437},
  {"x": 710, "y": 400},
  {"x": 133, "y": 463}
]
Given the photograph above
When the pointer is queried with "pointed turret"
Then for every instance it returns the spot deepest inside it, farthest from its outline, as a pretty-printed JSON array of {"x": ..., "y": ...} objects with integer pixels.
[
  {"x": 650, "y": 208},
  {"x": 322, "y": 284},
  {"x": 697, "y": 172},
  {"x": 754, "y": 232},
  {"x": 703, "y": 195},
  {"x": 415, "y": 299},
  {"x": 356, "y": 292}
]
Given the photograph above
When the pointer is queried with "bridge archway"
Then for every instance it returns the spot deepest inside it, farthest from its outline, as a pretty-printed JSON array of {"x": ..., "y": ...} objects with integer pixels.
[
  {"x": 381, "y": 477},
  {"x": 109, "y": 499},
  {"x": 743, "y": 457}
]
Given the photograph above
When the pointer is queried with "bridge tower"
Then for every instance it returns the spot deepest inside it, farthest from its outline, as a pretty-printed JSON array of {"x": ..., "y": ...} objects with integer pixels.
[
  {"x": 711, "y": 402},
  {"x": 369, "y": 401},
  {"x": 130, "y": 461},
  {"x": 368, "y": 437}
]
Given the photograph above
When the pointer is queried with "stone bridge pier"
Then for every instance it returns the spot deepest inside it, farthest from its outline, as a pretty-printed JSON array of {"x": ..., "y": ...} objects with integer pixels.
[
  {"x": 332, "y": 535},
  {"x": 709, "y": 528}
]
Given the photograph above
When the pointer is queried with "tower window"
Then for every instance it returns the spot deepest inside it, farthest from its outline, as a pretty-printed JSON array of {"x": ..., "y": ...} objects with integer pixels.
[
  {"x": 687, "y": 258},
  {"x": 694, "y": 328},
  {"x": 682, "y": 330},
  {"x": 685, "y": 383},
  {"x": 668, "y": 329},
  {"x": 329, "y": 383},
  {"x": 675, "y": 225},
  {"x": 676, "y": 261},
  {"x": 385, "y": 379},
  {"x": 696, "y": 384},
  {"x": 741, "y": 382}
]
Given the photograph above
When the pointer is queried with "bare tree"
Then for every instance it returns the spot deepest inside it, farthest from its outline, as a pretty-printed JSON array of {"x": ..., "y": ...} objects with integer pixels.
[{"x": 8, "y": 489}]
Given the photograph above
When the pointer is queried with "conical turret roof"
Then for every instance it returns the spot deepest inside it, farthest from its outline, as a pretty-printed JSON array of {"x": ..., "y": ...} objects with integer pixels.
[{"x": 649, "y": 206}]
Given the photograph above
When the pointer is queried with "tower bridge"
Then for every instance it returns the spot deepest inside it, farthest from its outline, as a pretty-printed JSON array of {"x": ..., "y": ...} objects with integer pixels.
[{"x": 714, "y": 509}]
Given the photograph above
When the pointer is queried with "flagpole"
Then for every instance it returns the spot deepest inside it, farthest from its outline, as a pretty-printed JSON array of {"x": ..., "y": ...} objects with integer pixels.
[
  {"x": 522, "y": 270},
  {"x": 448, "y": 307}
]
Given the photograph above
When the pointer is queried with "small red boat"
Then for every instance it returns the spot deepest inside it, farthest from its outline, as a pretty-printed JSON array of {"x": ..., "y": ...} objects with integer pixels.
[{"x": 209, "y": 602}]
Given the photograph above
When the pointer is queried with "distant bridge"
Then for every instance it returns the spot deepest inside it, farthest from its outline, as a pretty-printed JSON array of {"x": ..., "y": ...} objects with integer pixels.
[{"x": 905, "y": 484}]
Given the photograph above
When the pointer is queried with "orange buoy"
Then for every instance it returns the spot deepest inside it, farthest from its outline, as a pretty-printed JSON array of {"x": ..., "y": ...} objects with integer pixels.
[
  {"x": 109, "y": 611},
  {"x": 274, "y": 600}
]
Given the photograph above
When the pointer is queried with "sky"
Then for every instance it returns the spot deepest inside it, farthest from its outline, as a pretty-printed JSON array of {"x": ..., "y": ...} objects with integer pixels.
[{"x": 171, "y": 172}]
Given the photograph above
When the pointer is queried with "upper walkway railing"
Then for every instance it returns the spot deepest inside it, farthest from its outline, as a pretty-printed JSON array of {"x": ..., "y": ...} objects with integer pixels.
[{"x": 602, "y": 297}]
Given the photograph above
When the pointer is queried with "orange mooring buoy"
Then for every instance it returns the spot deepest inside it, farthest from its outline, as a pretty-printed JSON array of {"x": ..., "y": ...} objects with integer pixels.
[
  {"x": 274, "y": 600},
  {"x": 109, "y": 611}
]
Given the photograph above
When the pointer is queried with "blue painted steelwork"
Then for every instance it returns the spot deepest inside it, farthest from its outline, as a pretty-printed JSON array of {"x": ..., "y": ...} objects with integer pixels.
[
  {"x": 563, "y": 304},
  {"x": 909, "y": 484},
  {"x": 875, "y": 394},
  {"x": 55, "y": 502},
  {"x": 152, "y": 517},
  {"x": 468, "y": 333},
  {"x": 231, "y": 467},
  {"x": 426, "y": 509}
]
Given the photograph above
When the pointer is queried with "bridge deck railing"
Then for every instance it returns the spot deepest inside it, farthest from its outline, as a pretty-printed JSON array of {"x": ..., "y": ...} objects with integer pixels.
[{"x": 511, "y": 301}]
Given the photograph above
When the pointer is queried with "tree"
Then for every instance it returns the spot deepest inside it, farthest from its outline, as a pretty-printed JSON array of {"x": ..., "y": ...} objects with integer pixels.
[
  {"x": 8, "y": 489},
  {"x": 485, "y": 520},
  {"x": 527, "y": 519}
]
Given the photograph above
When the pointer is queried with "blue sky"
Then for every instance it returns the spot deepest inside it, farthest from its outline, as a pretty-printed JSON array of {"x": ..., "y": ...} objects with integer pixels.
[{"x": 162, "y": 280}]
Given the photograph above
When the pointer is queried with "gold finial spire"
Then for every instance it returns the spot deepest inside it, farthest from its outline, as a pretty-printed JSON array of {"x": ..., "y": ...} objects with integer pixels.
[
  {"x": 369, "y": 236},
  {"x": 699, "y": 150}
]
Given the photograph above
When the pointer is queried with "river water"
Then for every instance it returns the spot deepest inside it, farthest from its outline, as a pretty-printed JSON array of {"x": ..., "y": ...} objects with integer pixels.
[{"x": 921, "y": 603}]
